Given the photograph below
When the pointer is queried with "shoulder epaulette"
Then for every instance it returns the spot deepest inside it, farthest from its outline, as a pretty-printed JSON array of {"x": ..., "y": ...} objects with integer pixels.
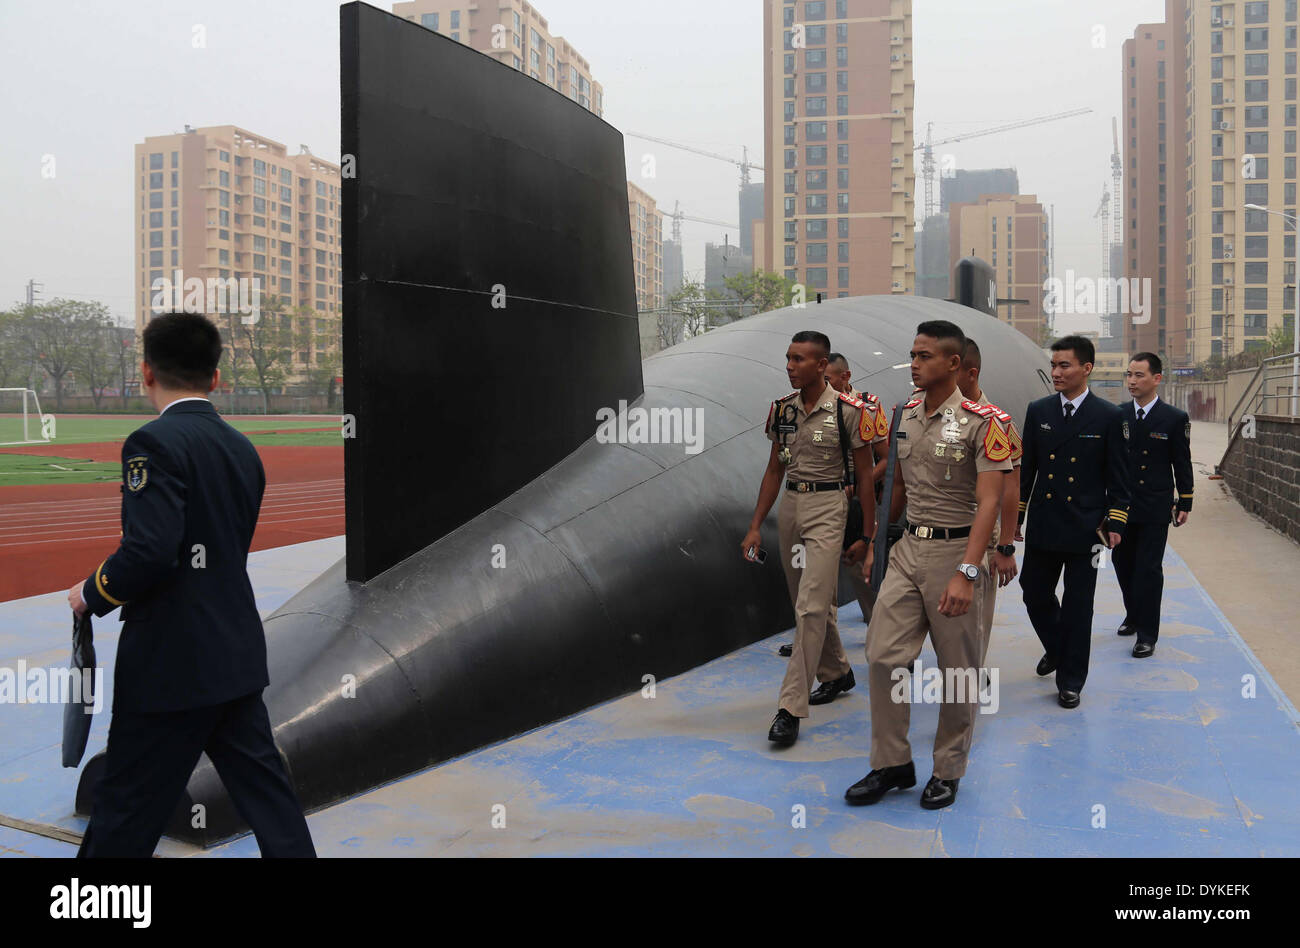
[
  {"x": 855, "y": 402},
  {"x": 998, "y": 413},
  {"x": 984, "y": 411},
  {"x": 868, "y": 397},
  {"x": 786, "y": 398},
  {"x": 913, "y": 403}
]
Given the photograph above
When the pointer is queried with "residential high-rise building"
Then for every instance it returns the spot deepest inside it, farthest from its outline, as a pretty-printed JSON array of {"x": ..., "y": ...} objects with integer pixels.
[
  {"x": 933, "y": 272},
  {"x": 221, "y": 203},
  {"x": 751, "y": 209},
  {"x": 516, "y": 34},
  {"x": 965, "y": 185},
  {"x": 1240, "y": 136},
  {"x": 838, "y": 100},
  {"x": 674, "y": 271},
  {"x": 1156, "y": 198},
  {"x": 647, "y": 248},
  {"x": 1009, "y": 232},
  {"x": 722, "y": 261}
]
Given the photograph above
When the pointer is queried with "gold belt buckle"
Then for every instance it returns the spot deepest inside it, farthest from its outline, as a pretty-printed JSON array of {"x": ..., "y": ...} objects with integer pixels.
[
  {"x": 925, "y": 533},
  {"x": 803, "y": 487}
]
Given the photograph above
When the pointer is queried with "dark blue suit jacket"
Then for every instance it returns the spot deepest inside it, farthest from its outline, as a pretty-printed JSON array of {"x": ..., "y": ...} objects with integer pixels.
[
  {"x": 191, "y": 635},
  {"x": 1074, "y": 474},
  {"x": 1160, "y": 454}
]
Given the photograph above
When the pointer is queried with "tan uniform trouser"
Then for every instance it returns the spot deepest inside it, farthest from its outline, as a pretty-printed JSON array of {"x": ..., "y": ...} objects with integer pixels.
[
  {"x": 816, "y": 523},
  {"x": 863, "y": 591},
  {"x": 990, "y": 580},
  {"x": 919, "y": 572}
]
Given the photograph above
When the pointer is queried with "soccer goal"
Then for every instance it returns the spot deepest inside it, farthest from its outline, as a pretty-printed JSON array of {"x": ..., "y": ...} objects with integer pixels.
[{"x": 20, "y": 418}]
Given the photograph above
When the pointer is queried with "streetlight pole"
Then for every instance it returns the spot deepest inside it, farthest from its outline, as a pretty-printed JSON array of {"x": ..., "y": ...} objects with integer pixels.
[{"x": 1295, "y": 319}]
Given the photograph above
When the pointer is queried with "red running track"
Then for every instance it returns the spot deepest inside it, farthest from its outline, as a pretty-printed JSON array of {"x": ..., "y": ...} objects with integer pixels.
[{"x": 52, "y": 536}]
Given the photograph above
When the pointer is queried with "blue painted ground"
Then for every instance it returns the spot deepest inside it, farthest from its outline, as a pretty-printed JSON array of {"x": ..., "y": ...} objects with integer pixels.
[{"x": 1168, "y": 756}]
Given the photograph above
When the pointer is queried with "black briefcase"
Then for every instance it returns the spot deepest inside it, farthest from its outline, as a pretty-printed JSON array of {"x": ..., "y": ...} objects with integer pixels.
[{"x": 77, "y": 712}]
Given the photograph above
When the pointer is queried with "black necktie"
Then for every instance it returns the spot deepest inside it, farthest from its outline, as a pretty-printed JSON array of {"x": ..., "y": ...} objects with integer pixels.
[
  {"x": 1141, "y": 413},
  {"x": 1069, "y": 410}
]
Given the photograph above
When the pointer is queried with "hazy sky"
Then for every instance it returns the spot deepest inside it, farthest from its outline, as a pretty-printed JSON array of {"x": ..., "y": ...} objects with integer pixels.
[{"x": 84, "y": 81}]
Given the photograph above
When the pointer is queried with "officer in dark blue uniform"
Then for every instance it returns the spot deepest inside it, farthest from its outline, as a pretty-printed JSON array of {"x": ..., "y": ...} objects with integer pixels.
[
  {"x": 1160, "y": 456},
  {"x": 1075, "y": 478},
  {"x": 191, "y": 661}
]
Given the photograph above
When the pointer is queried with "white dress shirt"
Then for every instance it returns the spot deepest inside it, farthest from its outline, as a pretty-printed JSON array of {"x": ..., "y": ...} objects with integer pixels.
[
  {"x": 1145, "y": 409},
  {"x": 1076, "y": 402}
]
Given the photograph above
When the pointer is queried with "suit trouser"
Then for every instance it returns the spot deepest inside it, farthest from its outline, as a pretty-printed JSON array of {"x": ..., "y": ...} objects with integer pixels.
[
  {"x": 1063, "y": 626},
  {"x": 1140, "y": 571},
  {"x": 149, "y": 762},
  {"x": 815, "y": 522},
  {"x": 919, "y": 572}
]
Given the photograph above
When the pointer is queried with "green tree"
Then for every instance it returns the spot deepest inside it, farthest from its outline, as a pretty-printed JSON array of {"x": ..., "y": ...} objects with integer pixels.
[{"x": 268, "y": 343}]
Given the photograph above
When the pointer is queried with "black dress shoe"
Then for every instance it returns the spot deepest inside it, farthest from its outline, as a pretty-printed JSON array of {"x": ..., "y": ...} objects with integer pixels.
[
  {"x": 939, "y": 793},
  {"x": 1143, "y": 650},
  {"x": 876, "y": 784},
  {"x": 827, "y": 691},
  {"x": 1068, "y": 699},
  {"x": 1126, "y": 629},
  {"x": 1045, "y": 667},
  {"x": 786, "y": 650},
  {"x": 785, "y": 729}
]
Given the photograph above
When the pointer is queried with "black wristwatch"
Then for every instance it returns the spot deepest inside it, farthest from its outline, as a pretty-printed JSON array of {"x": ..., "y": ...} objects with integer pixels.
[{"x": 1008, "y": 550}]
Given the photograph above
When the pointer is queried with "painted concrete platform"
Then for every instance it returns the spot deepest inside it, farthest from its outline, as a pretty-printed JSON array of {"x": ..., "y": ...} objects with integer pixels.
[{"x": 1167, "y": 757}]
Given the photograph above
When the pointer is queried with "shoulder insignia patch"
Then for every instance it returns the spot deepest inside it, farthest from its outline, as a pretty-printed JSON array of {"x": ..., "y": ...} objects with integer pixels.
[
  {"x": 137, "y": 473},
  {"x": 882, "y": 423},
  {"x": 1125, "y": 426},
  {"x": 1187, "y": 432},
  {"x": 1017, "y": 447},
  {"x": 997, "y": 443}
]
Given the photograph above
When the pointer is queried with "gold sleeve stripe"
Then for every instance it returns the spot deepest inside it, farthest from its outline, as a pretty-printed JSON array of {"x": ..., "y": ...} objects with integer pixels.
[
  {"x": 1185, "y": 496},
  {"x": 99, "y": 585},
  {"x": 1024, "y": 505}
]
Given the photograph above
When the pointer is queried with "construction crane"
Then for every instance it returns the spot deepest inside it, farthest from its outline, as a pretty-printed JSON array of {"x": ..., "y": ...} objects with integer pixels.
[
  {"x": 1103, "y": 213},
  {"x": 1117, "y": 186},
  {"x": 928, "y": 166},
  {"x": 677, "y": 217},
  {"x": 744, "y": 164}
]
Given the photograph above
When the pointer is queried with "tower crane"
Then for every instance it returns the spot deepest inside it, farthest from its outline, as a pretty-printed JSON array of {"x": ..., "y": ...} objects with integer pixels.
[
  {"x": 1103, "y": 213},
  {"x": 744, "y": 164},
  {"x": 928, "y": 166},
  {"x": 677, "y": 217}
]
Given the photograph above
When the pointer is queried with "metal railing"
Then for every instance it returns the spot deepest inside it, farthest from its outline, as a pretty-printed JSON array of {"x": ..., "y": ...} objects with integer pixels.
[{"x": 1255, "y": 400}]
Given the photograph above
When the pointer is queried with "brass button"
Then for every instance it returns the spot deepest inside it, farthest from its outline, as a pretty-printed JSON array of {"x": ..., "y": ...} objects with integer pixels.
[
  {"x": 1144, "y": 452},
  {"x": 1072, "y": 480},
  {"x": 1073, "y": 460},
  {"x": 1049, "y": 496},
  {"x": 1050, "y": 476},
  {"x": 1144, "y": 467},
  {"x": 1141, "y": 482},
  {"x": 1051, "y": 457},
  {"x": 1069, "y": 498}
]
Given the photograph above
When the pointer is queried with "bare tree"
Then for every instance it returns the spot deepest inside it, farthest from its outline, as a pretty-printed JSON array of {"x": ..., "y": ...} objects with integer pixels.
[
  {"x": 56, "y": 336},
  {"x": 268, "y": 342},
  {"x": 95, "y": 361}
]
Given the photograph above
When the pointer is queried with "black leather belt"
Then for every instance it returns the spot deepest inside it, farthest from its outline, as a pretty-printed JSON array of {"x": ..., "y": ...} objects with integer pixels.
[
  {"x": 938, "y": 533},
  {"x": 809, "y": 487}
]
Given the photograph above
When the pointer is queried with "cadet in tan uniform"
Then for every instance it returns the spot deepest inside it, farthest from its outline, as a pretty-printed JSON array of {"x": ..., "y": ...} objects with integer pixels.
[
  {"x": 840, "y": 377},
  {"x": 951, "y": 462},
  {"x": 1001, "y": 560},
  {"x": 806, "y": 428}
]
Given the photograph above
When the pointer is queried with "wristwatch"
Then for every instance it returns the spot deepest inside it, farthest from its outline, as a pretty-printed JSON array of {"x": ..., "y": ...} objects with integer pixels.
[
  {"x": 1008, "y": 550},
  {"x": 970, "y": 571}
]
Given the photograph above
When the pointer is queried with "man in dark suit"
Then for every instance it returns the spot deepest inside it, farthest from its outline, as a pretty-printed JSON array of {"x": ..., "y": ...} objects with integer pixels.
[
  {"x": 1159, "y": 454},
  {"x": 191, "y": 662},
  {"x": 1075, "y": 480}
]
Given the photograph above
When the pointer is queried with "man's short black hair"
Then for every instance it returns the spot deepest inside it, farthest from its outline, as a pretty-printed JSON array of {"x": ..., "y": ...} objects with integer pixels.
[
  {"x": 836, "y": 357},
  {"x": 183, "y": 349},
  {"x": 1152, "y": 360},
  {"x": 1081, "y": 346},
  {"x": 816, "y": 338},
  {"x": 970, "y": 356},
  {"x": 949, "y": 334}
]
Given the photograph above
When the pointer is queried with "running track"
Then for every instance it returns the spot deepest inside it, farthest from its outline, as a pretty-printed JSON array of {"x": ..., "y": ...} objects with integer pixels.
[{"x": 53, "y": 536}]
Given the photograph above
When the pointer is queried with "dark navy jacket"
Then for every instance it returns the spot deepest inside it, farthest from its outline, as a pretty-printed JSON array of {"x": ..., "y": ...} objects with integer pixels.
[
  {"x": 1160, "y": 454},
  {"x": 191, "y": 634},
  {"x": 1074, "y": 474}
]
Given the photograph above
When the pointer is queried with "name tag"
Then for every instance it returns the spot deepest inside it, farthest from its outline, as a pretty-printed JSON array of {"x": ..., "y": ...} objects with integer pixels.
[
  {"x": 902, "y": 435},
  {"x": 1163, "y": 436}
]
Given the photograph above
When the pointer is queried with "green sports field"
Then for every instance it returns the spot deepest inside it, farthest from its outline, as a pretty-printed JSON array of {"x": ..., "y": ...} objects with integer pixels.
[
  {"x": 20, "y": 470},
  {"x": 83, "y": 429}
]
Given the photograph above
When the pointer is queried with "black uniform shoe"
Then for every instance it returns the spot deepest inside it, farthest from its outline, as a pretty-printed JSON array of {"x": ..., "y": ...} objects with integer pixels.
[
  {"x": 1045, "y": 667},
  {"x": 785, "y": 729},
  {"x": 1143, "y": 650},
  {"x": 876, "y": 784},
  {"x": 827, "y": 691},
  {"x": 1126, "y": 629},
  {"x": 939, "y": 793},
  {"x": 786, "y": 650},
  {"x": 1068, "y": 699}
]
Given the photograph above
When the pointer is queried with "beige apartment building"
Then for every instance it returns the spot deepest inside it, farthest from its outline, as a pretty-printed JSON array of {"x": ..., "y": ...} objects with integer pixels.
[
  {"x": 221, "y": 203},
  {"x": 838, "y": 100},
  {"x": 1010, "y": 232},
  {"x": 513, "y": 32},
  {"x": 647, "y": 223},
  {"x": 1155, "y": 153},
  {"x": 1240, "y": 136}
]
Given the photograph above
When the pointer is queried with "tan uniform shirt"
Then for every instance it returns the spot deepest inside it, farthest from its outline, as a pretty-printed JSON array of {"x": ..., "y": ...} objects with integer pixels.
[
  {"x": 815, "y": 444},
  {"x": 1017, "y": 452},
  {"x": 942, "y": 455}
]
